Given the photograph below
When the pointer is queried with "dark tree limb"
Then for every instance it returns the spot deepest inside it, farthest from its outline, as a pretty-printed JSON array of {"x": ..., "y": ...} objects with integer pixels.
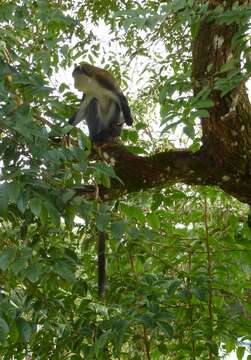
[{"x": 141, "y": 173}]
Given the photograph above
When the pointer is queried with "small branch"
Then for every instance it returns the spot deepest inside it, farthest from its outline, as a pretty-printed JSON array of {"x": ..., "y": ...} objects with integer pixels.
[{"x": 43, "y": 120}]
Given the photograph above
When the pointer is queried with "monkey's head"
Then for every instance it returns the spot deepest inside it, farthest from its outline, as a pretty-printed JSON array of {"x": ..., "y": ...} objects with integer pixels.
[
  {"x": 83, "y": 68},
  {"x": 88, "y": 78},
  {"x": 82, "y": 75}
]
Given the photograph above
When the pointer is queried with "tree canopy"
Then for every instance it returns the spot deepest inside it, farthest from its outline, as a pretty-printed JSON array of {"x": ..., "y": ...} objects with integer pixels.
[{"x": 174, "y": 193}]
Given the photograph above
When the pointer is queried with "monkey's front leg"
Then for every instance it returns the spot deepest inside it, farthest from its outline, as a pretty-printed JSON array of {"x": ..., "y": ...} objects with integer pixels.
[{"x": 80, "y": 114}]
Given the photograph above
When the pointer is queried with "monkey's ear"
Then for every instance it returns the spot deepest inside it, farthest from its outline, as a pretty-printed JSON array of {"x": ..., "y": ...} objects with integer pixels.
[{"x": 74, "y": 72}]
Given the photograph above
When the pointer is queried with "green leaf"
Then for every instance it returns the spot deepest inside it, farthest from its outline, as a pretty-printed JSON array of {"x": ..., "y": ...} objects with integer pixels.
[
  {"x": 163, "y": 316},
  {"x": 133, "y": 136},
  {"x": 240, "y": 352},
  {"x": 231, "y": 64},
  {"x": 119, "y": 330},
  {"x": 25, "y": 329},
  {"x": 101, "y": 342},
  {"x": 204, "y": 103},
  {"x": 86, "y": 209},
  {"x": 163, "y": 349},
  {"x": 44, "y": 216},
  {"x": 118, "y": 228},
  {"x": 4, "y": 197},
  {"x": 36, "y": 206},
  {"x": 22, "y": 202},
  {"x": 189, "y": 131},
  {"x": 34, "y": 271},
  {"x": 68, "y": 195},
  {"x": 84, "y": 141},
  {"x": 166, "y": 328},
  {"x": 104, "y": 180},
  {"x": 21, "y": 261},
  {"x": 69, "y": 216},
  {"x": 172, "y": 125},
  {"x": 7, "y": 257},
  {"x": 153, "y": 221},
  {"x": 105, "y": 169},
  {"x": 14, "y": 191},
  {"x": 8, "y": 310},
  {"x": 134, "y": 212},
  {"x": 4, "y": 328},
  {"x": 52, "y": 212},
  {"x": 62, "y": 269},
  {"x": 200, "y": 113},
  {"x": 102, "y": 221},
  {"x": 209, "y": 67},
  {"x": 137, "y": 149},
  {"x": 173, "y": 287}
]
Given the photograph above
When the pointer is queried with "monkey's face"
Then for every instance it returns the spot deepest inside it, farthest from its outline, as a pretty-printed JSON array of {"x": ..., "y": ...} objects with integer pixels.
[
  {"x": 82, "y": 78},
  {"x": 86, "y": 83},
  {"x": 82, "y": 82}
]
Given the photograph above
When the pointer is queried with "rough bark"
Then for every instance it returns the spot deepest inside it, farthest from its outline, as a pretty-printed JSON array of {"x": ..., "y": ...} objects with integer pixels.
[{"x": 224, "y": 158}]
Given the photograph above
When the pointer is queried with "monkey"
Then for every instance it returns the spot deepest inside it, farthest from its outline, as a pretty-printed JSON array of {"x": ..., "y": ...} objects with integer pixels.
[
  {"x": 103, "y": 105},
  {"x": 105, "y": 110}
]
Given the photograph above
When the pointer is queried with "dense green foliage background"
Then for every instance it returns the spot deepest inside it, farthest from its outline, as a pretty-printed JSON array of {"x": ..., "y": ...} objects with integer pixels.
[{"x": 179, "y": 261}]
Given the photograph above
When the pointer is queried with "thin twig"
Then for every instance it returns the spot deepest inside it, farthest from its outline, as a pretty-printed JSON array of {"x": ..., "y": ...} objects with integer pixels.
[{"x": 43, "y": 120}]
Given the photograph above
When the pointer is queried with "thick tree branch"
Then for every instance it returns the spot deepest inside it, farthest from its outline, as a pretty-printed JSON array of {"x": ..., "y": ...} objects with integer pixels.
[
  {"x": 140, "y": 173},
  {"x": 137, "y": 172}
]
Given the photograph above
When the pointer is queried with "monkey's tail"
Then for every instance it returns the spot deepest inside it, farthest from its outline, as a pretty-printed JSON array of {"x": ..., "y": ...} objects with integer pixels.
[
  {"x": 101, "y": 264},
  {"x": 125, "y": 109}
]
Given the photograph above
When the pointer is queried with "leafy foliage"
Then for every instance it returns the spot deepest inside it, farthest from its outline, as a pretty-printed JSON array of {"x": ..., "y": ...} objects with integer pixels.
[{"x": 178, "y": 258}]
